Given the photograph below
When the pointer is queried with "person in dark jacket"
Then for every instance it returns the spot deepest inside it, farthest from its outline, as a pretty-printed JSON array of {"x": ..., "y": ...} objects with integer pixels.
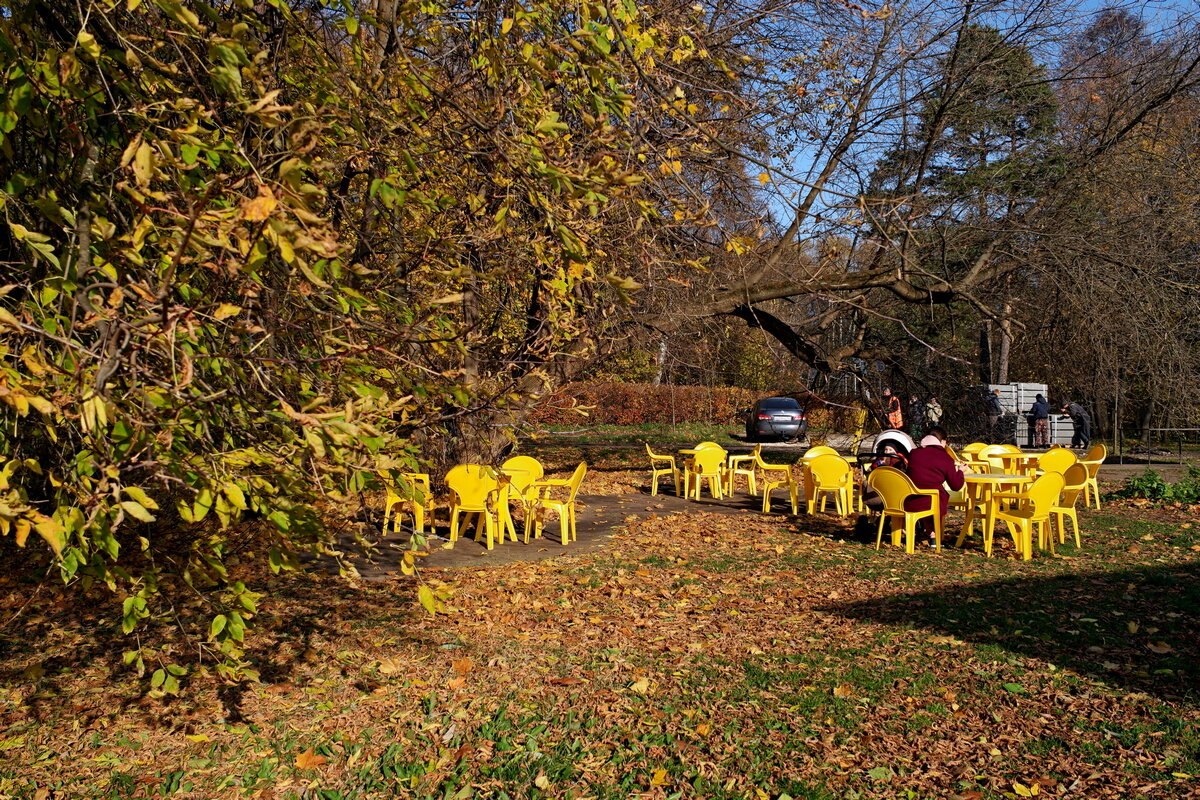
[
  {"x": 931, "y": 467},
  {"x": 1082, "y": 421},
  {"x": 916, "y": 418},
  {"x": 994, "y": 411},
  {"x": 1039, "y": 413}
]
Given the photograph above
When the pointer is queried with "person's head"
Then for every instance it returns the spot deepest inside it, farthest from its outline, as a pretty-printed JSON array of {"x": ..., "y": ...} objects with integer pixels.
[
  {"x": 996, "y": 392},
  {"x": 886, "y": 391},
  {"x": 938, "y": 432},
  {"x": 1041, "y": 399}
]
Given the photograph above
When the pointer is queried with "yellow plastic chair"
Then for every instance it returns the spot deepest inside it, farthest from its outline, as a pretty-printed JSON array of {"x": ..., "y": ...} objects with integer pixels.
[
  {"x": 973, "y": 448},
  {"x": 987, "y": 458},
  {"x": 661, "y": 465},
  {"x": 1032, "y": 508},
  {"x": 745, "y": 466},
  {"x": 819, "y": 450},
  {"x": 1075, "y": 479},
  {"x": 830, "y": 474},
  {"x": 970, "y": 455},
  {"x": 1093, "y": 460},
  {"x": 894, "y": 487},
  {"x": 476, "y": 489},
  {"x": 708, "y": 462},
  {"x": 1058, "y": 460},
  {"x": 407, "y": 493},
  {"x": 779, "y": 476},
  {"x": 544, "y": 501},
  {"x": 522, "y": 472}
]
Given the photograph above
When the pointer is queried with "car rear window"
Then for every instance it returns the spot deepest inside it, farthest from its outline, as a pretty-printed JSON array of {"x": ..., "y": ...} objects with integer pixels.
[{"x": 778, "y": 403}]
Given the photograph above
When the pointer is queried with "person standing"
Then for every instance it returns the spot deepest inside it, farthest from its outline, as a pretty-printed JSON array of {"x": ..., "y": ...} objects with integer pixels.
[
  {"x": 1039, "y": 412},
  {"x": 916, "y": 418},
  {"x": 931, "y": 467},
  {"x": 994, "y": 411},
  {"x": 891, "y": 410},
  {"x": 933, "y": 412},
  {"x": 1082, "y": 421}
]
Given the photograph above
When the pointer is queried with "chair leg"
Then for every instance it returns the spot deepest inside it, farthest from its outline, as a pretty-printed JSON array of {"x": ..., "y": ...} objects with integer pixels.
[
  {"x": 653, "y": 483},
  {"x": 794, "y": 492},
  {"x": 879, "y": 533},
  {"x": 910, "y": 535},
  {"x": 937, "y": 532}
]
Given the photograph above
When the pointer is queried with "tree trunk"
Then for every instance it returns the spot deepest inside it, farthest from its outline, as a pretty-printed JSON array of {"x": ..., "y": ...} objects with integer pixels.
[
  {"x": 661, "y": 361},
  {"x": 1005, "y": 344},
  {"x": 985, "y": 352}
]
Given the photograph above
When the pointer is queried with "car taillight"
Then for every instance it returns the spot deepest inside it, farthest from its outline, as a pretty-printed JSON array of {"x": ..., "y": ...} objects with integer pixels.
[{"x": 764, "y": 416}]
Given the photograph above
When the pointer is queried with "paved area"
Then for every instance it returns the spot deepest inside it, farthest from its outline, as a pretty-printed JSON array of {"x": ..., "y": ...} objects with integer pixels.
[{"x": 598, "y": 519}]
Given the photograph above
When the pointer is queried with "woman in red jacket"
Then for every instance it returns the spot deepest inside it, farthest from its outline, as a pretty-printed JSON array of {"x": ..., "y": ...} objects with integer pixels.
[{"x": 931, "y": 467}]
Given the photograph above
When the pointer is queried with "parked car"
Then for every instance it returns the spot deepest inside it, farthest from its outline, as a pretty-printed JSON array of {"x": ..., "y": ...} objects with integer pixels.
[{"x": 776, "y": 417}]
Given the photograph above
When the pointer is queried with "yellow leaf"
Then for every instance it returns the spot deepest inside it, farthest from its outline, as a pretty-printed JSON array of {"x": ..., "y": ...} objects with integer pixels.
[
  {"x": 450, "y": 298},
  {"x": 310, "y": 760},
  {"x": 226, "y": 310},
  {"x": 143, "y": 165},
  {"x": 390, "y": 666},
  {"x": 506, "y": 25},
  {"x": 463, "y": 666},
  {"x": 640, "y": 686},
  {"x": 541, "y": 781},
  {"x": 763, "y": 179},
  {"x": 259, "y": 208},
  {"x": 843, "y": 690},
  {"x": 659, "y": 778},
  {"x": 196, "y": 737},
  {"x": 1022, "y": 790},
  {"x": 426, "y": 598},
  {"x": 21, "y": 531},
  {"x": 86, "y": 42},
  {"x": 703, "y": 729}
]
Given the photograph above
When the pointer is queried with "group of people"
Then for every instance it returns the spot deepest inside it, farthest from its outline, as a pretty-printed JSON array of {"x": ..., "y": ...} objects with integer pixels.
[{"x": 920, "y": 415}]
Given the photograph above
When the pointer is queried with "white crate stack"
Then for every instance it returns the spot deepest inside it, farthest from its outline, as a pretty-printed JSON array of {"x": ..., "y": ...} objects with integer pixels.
[{"x": 1018, "y": 398}]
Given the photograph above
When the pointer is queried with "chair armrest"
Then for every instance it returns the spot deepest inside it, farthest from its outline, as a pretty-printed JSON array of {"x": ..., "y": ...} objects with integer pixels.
[
  {"x": 929, "y": 492},
  {"x": 1010, "y": 495}
]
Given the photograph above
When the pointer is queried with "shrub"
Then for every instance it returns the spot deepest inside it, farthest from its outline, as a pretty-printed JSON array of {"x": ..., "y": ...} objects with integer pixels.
[{"x": 1151, "y": 486}]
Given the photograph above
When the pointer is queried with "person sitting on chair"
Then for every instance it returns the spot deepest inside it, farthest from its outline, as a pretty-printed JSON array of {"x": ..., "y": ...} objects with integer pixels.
[{"x": 931, "y": 467}]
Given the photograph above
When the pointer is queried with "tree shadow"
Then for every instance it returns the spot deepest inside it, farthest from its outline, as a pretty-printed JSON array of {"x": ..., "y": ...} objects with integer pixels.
[{"x": 1136, "y": 628}]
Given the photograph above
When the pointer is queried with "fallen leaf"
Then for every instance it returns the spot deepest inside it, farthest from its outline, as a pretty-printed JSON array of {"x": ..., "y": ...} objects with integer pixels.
[
  {"x": 1159, "y": 647},
  {"x": 541, "y": 781},
  {"x": 843, "y": 690},
  {"x": 310, "y": 760},
  {"x": 463, "y": 666},
  {"x": 640, "y": 686},
  {"x": 659, "y": 778}
]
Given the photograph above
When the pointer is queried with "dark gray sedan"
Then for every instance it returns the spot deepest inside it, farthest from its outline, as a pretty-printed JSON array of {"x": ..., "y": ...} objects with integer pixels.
[{"x": 776, "y": 417}]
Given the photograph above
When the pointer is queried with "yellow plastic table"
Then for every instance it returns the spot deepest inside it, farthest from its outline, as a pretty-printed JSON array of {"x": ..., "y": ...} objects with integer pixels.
[
  {"x": 981, "y": 490},
  {"x": 1018, "y": 463}
]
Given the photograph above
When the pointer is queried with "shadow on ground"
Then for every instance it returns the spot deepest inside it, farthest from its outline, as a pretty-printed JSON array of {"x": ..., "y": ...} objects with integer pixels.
[{"x": 1136, "y": 628}]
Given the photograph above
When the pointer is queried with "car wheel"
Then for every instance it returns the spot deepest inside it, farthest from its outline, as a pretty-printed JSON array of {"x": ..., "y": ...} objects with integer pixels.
[{"x": 750, "y": 434}]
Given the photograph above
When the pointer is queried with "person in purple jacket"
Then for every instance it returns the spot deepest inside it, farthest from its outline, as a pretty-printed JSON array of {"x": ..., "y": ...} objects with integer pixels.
[{"x": 931, "y": 467}]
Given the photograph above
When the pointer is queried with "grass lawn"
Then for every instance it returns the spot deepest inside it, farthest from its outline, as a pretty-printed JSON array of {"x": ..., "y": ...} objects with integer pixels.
[{"x": 700, "y": 655}]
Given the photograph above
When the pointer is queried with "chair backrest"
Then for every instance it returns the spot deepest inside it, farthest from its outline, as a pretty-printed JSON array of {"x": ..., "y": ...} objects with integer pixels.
[
  {"x": 576, "y": 481},
  {"x": 1043, "y": 493},
  {"x": 1097, "y": 452},
  {"x": 819, "y": 450},
  {"x": 829, "y": 470},
  {"x": 973, "y": 448},
  {"x": 707, "y": 446},
  {"x": 893, "y": 487},
  {"x": 653, "y": 455},
  {"x": 522, "y": 471},
  {"x": 952, "y": 454},
  {"x": 1074, "y": 480},
  {"x": 472, "y": 483},
  {"x": 406, "y": 485},
  {"x": 1056, "y": 460},
  {"x": 1008, "y": 448},
  {"x": 709, "y": 460}
]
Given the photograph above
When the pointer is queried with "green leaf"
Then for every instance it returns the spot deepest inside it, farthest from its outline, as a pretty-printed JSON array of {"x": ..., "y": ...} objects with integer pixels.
[
  {"x": 137, "y": 511},
  {"x": 880, "y": 773},
  {"x": 1015, "y": 688},
  {"x": 156, "y": 680},
  {"x": 218, "y": 625}
]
